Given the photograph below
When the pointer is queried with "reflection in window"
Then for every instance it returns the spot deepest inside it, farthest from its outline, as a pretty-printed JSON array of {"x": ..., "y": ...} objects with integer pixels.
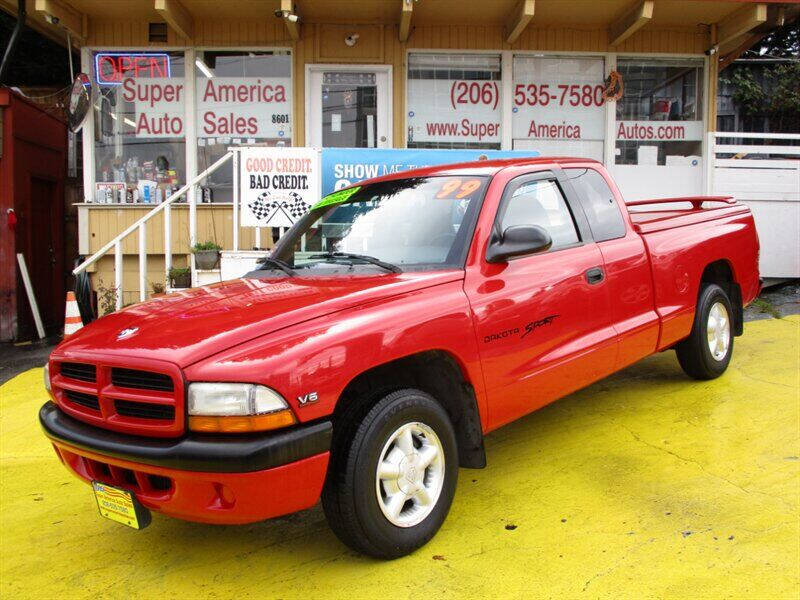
[
  {"x": 243, "y": 97},
  {"x": 599, "y": 203},
  {"x": 414, "y": 222},
  {"x": 541, "y": 203},
  {"x": 454, "y": 101},
  {"x": 349, "y": 109},
  {"x": 139, "y": 127},
  {"x": 558, "y": 107},
  {"x": 659, "y": 117}
]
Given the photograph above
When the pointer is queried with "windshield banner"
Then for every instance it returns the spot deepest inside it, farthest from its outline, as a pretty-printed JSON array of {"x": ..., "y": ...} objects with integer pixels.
[
  {"x": 345, "y": 166},
  {"x": 278, "y": 185}
]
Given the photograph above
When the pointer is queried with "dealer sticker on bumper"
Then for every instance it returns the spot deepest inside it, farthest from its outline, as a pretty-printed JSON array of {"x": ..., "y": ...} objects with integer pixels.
[{"x": 120, "y": 505}]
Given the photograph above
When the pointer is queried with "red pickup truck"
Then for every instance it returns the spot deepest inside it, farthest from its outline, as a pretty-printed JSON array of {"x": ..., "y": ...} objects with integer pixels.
[{"x": 391, "y": 328}]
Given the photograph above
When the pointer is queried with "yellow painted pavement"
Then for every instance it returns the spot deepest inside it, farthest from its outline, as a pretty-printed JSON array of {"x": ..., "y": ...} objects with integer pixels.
[{"x": 646, "y": 484}]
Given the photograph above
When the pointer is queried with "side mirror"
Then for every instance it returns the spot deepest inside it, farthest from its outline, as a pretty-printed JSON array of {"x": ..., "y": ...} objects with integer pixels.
[{"x": 518, "y": 240}]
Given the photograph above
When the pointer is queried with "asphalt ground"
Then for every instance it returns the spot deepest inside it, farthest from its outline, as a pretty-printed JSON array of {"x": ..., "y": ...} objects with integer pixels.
[
  {"x": 17, "y": 358},
  {"x": 644, "y": 485}
]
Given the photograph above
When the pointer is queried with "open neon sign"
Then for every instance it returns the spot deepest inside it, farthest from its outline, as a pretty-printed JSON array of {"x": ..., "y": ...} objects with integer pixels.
[{"x": 112, "y": 67}]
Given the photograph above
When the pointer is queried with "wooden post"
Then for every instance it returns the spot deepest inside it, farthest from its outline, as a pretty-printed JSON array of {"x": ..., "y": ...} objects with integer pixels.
[
  {"x": 236, "y": 193},
  {"x": 167, "y": 242},
  {"x": 118, "y": 274},
  {"x": 142, "y": 262},
  {"x": 26, "y": 280},
  {"x": 406, "y": 9}
]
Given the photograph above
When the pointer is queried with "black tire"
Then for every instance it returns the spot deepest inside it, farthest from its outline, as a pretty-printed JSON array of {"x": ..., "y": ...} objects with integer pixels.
[
  {"x": 350, "y": 497},
  {"x": 694, "y": 354}
]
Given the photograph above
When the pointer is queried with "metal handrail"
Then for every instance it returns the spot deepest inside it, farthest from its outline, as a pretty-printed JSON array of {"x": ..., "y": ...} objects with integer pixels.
[{"x": 116, "y": 243}]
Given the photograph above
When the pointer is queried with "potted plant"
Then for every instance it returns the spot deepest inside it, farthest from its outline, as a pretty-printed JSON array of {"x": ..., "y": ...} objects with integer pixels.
[
  {"x": 206, "y": 255},
  {"x": 180, "y": 277},
  {"x": 159, "y": 289}
]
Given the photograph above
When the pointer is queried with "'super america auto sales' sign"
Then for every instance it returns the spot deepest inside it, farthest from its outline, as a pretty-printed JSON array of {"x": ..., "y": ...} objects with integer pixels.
[
  {"x": 255, "y": 107},
  {"x": 278, "y": 185},
  {"x": 247, "y": 106}
]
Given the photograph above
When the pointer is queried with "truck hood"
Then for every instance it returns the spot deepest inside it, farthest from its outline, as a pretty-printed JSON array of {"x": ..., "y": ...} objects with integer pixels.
[{"x": 190, "y": 325}]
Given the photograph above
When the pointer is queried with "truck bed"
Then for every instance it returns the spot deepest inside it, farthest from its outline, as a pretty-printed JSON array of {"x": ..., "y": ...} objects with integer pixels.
[
  {"x": 713, "y": 230},
  {"x": 650, "y": 219}
]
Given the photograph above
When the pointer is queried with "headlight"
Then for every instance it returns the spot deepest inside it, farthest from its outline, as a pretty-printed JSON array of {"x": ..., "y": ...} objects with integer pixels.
[
  {"x": 47, "y": 377},
  {"x": 236, "y": 407}
]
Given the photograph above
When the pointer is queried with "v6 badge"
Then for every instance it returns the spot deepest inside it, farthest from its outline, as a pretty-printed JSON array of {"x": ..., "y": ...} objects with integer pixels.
[{"x": 309, "y": 398}]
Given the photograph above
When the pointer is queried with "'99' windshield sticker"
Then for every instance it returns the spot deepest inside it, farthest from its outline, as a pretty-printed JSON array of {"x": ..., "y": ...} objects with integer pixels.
[
  {"x": 457, "y": 188},
  {"x": 336, "y": 197}
]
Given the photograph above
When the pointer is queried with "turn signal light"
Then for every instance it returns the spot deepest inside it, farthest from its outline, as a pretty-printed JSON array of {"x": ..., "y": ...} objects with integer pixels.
[{"x": 244, "y": 424}]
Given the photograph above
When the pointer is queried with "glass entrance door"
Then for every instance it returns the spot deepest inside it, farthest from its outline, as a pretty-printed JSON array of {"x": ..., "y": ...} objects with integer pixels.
[{"x": 348, "y": 107}]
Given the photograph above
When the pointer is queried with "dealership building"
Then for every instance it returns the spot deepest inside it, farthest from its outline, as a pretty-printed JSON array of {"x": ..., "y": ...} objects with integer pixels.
[{"x": 177, "y": 83}]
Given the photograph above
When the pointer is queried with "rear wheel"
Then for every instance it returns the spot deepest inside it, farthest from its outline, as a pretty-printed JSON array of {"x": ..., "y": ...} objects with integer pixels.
[
  {"x": 391, "y": 482},
  {"x": 706, "y": 353}
]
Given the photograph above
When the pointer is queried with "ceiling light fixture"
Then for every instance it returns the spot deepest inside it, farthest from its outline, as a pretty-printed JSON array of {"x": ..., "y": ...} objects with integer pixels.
[
  {"x": 285, "y": 14},
  {"x": 204, "y": 68}
]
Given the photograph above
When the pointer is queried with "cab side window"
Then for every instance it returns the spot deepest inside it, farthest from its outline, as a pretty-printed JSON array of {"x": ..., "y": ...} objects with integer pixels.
[
  {"x": 599, "y": 203},
  {"x": 541, "y": 203}
]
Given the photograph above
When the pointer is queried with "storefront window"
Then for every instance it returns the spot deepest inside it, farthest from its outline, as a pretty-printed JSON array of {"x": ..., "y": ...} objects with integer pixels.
[
  {"x": 659, "y": 117},
  {"x": 454, "y": 101},
  {"x": 558, "y": 106},
  {"x": 242, "y": 98},
  {"x": 139, "y": 126}
]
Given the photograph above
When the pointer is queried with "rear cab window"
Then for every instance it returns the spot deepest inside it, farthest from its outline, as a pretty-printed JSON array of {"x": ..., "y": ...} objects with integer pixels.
[{"x": 599, "y": 203}]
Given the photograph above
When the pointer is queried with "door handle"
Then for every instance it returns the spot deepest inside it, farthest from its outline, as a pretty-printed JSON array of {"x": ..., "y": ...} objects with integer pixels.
[{"x": 595, "y": 275}]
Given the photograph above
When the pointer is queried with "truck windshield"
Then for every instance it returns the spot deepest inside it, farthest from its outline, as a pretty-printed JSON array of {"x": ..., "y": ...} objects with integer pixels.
[{"x": 415, "y": 223}]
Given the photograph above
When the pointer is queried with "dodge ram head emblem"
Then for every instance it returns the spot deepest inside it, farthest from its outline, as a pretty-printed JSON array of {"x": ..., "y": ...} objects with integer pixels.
[{"x": 126, "y": 333}]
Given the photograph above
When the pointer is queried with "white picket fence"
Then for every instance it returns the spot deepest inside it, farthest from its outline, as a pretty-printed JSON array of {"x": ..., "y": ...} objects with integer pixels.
[{"x": 766, "y": 177}]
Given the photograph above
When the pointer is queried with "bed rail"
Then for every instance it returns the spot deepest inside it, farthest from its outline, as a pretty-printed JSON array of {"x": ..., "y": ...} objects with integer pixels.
[{"x": 696, "y": 201}]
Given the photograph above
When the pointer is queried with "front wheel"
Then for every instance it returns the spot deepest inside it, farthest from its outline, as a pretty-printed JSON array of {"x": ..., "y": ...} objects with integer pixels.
[
  {"x": 391, "y": 482},
  {"x": 706, "y": 353}
]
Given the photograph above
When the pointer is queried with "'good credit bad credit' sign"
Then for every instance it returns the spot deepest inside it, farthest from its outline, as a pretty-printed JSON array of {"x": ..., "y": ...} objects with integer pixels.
[
  {"x": 253, "y": 107},
  {"x": 278, "y": 185}
]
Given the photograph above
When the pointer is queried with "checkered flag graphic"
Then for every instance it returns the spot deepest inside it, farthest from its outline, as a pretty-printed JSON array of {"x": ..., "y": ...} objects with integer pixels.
[
  {"x": 297, "y": 207},
  {"x": 264, "y": 208}
]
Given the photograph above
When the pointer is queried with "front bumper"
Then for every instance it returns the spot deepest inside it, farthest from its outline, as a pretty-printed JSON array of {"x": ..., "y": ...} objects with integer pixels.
[{"x": 207, "y": 478}]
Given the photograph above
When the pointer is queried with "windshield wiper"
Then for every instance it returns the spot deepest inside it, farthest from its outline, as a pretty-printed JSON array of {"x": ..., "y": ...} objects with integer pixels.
[
  {"x": 366, "y": 258},
  {"x": 274, "y": 262}
]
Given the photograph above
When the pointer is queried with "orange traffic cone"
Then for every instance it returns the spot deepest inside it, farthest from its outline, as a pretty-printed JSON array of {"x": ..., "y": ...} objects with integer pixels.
[{"x": 72, "y": 316}]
